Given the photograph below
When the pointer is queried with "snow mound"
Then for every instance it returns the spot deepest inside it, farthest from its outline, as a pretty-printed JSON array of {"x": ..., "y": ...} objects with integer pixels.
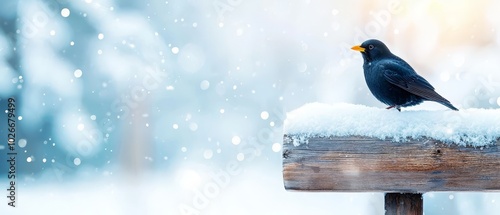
[{"x": 473, "y": 127}]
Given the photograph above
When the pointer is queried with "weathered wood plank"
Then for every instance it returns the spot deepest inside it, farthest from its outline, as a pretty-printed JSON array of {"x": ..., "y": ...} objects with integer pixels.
[
  {"x": 404, "y": 204},
  {"x": 359, "y": 164}
]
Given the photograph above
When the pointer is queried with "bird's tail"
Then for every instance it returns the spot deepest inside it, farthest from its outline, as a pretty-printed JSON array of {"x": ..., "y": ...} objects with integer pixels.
[
  {"x": 431, "y": 95},
  {"x": 448, "y": 104}
]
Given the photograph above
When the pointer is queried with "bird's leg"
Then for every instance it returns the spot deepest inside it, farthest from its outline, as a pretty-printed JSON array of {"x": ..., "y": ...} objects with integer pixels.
[{"x": 398, "y": 107}]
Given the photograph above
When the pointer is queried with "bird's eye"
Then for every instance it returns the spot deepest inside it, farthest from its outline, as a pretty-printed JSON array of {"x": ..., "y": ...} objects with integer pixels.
[{"x": 370, "y": 47}]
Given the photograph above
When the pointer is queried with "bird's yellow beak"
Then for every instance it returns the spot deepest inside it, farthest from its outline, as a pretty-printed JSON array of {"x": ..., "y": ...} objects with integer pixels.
[{"x": 358, "y": 48}]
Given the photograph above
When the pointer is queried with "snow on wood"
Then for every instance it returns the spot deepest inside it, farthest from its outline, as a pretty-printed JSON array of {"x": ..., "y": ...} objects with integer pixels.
[{"x": 472, "y": 127}]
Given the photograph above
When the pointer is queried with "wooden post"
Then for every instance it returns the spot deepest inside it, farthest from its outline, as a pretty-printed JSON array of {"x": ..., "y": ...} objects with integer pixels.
[
  {"x": 404, "y": 203},
  {"x": 362, "y": 164}
]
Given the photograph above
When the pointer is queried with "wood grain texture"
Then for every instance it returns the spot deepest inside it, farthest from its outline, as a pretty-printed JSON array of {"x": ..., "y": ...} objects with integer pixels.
[
  {"x": 404, "y": 204},
  {"x": 360, "y": 164}
]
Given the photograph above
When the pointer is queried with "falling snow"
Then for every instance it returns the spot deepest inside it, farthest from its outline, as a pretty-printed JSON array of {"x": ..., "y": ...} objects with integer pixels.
[
  {"x": 236, "y": 140},
  {"x": 78, "y": 73},
  {"x": 65, "y": 12},
  {"x": 192, "y": 106}
]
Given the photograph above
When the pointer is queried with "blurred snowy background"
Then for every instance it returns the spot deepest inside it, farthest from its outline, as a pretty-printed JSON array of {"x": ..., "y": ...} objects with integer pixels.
[{"x": 177, "y": 107}]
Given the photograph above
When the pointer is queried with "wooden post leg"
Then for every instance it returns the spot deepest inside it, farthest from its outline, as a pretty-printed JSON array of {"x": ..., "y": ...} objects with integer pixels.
[{"x": 404, "y": 204}]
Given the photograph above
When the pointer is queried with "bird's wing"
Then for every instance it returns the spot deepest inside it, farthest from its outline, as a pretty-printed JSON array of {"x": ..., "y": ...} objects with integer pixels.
[{"x": 413, "y": 83}]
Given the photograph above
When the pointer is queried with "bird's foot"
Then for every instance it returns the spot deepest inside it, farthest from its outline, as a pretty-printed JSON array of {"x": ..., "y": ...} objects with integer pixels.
[{"x": 394, "y": 106}]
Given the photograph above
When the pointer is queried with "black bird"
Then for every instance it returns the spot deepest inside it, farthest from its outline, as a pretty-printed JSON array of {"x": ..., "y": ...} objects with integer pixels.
[{"x": 392, "y": 81}]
